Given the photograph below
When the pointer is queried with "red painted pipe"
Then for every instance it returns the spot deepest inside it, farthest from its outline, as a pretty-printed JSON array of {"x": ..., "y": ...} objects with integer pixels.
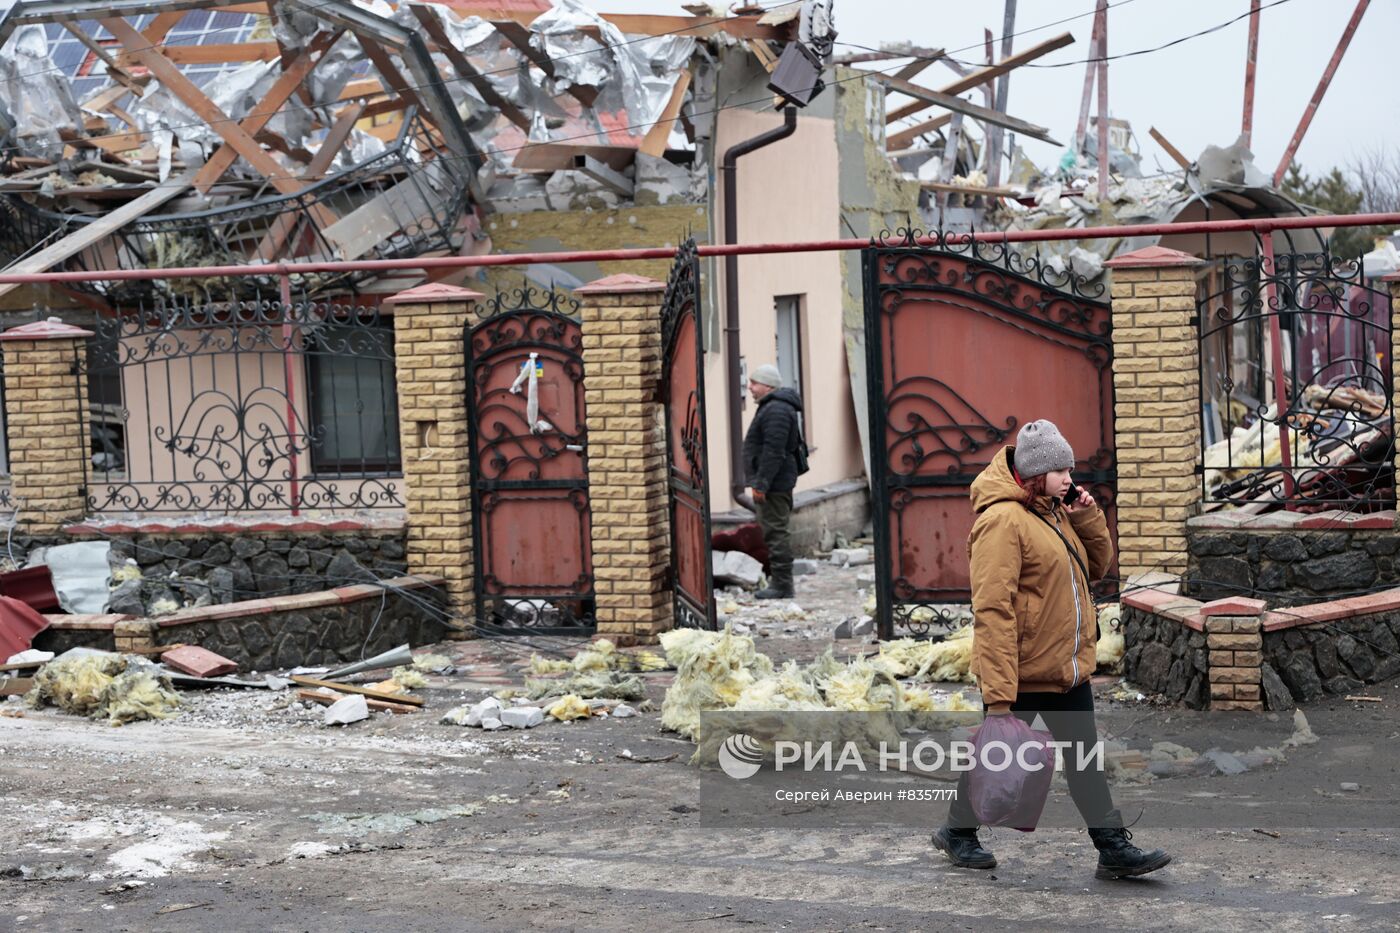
[
  {"x": 1251, "y": 60},
  {"x": 1260, "y": 226}
]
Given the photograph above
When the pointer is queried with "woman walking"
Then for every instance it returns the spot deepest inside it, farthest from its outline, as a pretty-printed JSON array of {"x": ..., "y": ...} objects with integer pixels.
[{"x": 1034, "y": 550}]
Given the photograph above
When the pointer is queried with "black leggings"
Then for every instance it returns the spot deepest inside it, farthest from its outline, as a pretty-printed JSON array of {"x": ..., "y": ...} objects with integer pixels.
[{"x": 1064, "y": 716}]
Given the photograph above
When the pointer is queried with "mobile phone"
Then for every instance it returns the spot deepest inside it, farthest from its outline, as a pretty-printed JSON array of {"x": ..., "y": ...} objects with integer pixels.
[{"x": 1071, "y": 495}]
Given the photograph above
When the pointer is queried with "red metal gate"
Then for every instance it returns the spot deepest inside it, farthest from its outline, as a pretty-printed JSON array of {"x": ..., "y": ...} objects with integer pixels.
[
  {"x": 963, "y": 347},
  {"x": 533, "y": 554},
  {"x": 683, "y": 393}
]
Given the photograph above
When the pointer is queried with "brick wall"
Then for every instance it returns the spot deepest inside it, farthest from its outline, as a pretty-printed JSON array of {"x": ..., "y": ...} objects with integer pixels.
[
  {"x": 46, "y": 408},
  {"x": 430, "y": 350},
  {"x": 1157, "y": 417},
  {"x": 621, "y": 318}
]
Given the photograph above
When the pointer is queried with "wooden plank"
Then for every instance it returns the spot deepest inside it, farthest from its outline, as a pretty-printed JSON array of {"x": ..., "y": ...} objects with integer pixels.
[
  {"x": 970, "y": 189},
  {"x": 647, "y": 24},
  {"x": 234, "y": 135},
  {"x": 224, "y": 52},
  {"x": 116, "y": 142},
  {"x": 326, "y": 700},
  {"x": 160, "y": 27},
  {"x": 764, "y": 54},
  {"x": 464, "y": 68},
  {"x": 655, "y": 142},
  {"x": 95, "y": 232},
  {"x": 519, "y": 37},
  {"x": 362, "y": 691},
  {"x": 116, "y": 71},
  {"x": 15, "y": 686},
  {"x": 104, "y": 99},
  {"x": 967, "y": 108},
  {"x": 908, "y": 72},
  {"x": 983, "y": 75},
  {"x": 277, "y": 95},
  {"x": 555, "y": 157},
  {"x": 286, "y": 224},
  {"x": 1172, "y": 151},
  {"x": 904, "y": 138},
  {"x": 364, "y": 87},
  {"x": 391, "y": 78}
]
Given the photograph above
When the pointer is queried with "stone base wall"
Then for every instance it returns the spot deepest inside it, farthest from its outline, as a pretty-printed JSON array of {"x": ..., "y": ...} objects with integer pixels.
[
  {"x": 817, "y": 515},
  {"x": 1166, "y": 657},
  {"x": 330, "y": 627},
  {"x": 1295, "y": 565},
  {"x": 1310, "y": 661},
  {"x": 249, "y": 566}
]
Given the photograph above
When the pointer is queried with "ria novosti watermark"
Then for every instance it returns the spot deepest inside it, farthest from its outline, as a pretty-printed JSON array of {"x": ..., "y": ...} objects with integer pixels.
[{"x": 742, "y": 756}]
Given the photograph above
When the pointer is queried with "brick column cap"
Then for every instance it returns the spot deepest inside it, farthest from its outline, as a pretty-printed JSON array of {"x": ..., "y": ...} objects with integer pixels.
[
  {"x": 432, "y": 293},
  {"x": 1233, "y": 606},
  {"x": 1391, "y": 277},
  {"x": 1153, "y": 256},
  {"x": 52, "y": 329},
  {"x": 621, "y": 284}
]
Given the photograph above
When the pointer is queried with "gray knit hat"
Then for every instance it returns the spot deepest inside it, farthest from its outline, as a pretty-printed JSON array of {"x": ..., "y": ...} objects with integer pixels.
[
  {"x": 768, "y": 375},
  {"x": 1040, "y": 448}
]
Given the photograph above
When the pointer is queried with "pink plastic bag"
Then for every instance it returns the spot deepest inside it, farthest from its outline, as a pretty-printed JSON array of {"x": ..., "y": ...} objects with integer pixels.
[{"x": 1014, "y": 795}]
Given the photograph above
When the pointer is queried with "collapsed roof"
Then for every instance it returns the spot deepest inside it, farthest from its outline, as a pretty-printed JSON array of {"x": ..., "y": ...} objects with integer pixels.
[{"x": 138, "y": 134}]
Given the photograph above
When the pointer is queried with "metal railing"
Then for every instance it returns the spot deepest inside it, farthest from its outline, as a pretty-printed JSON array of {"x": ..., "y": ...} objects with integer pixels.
[
  {"x": 1296, "y": 388},
  {"x": 242, "y": 407}
]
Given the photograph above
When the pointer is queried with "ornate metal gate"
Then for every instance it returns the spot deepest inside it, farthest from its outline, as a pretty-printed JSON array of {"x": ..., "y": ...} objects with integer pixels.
[
  {"x": 683, "y": 393},
  {"x": 965, "y": 345},
  {"x": 528, "y": 436}
]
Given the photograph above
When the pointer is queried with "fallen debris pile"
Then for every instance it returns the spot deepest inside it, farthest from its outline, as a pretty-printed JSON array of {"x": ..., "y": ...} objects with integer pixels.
[{"x": 116, "y": 687}]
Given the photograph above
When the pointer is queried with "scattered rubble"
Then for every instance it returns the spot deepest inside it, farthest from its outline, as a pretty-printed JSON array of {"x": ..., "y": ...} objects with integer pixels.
[{"x": 348, "y": 709}]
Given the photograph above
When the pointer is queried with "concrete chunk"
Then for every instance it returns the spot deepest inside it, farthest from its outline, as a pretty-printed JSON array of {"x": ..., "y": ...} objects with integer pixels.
[
  {"x": 522, "y": 717},
  {"x": 346, "y": 710},
  {"x": 738, "y": 567},
  {"x": 851, "y": 557}
]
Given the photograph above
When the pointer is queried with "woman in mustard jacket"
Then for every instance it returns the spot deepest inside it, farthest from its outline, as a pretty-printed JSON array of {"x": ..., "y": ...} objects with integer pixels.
[{"x": 1033, "y": 552}]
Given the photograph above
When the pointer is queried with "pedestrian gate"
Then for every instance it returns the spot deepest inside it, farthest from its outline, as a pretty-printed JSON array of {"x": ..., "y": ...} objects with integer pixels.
[
  {"x": 965, "y": 344},
  {"x": 528, "y": 436},
  {"x": 683, "y": 394}
]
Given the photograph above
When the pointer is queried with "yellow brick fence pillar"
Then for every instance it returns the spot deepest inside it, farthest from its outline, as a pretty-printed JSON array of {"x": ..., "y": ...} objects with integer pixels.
[
  {"x": 46, "y": 414},
  {"x": 621, "y": 317},
  {"x": 1156, "y": 382},
  {"x": 431, "y": 371}
]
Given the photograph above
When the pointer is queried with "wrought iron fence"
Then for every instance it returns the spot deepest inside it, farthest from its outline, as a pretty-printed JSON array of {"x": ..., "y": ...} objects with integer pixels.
[
  {"x": 1296, "y": 388},
  {"x": 405, "y": 201},
  {"x": 243, "y": 406}
]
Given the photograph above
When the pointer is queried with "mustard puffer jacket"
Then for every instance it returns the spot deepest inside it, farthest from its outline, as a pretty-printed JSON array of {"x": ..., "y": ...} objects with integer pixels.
[{"x": 1035, "y": 629}]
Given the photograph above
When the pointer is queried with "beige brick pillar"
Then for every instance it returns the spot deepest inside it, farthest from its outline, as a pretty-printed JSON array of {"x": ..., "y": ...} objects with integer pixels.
[
  {"x": 626, "y": 456},
  {"x": 1235, "y": 647},
  {"x": 431, "y": 370},
  {"x": 46, "y": 414},
  {"x": 1157, "y": 423}
]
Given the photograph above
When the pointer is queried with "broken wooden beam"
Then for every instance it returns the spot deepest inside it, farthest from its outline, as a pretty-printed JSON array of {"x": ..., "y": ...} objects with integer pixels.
[
  {"x": 519, "y": 37},
  {"x": 465, "y": 70},
  {"x": 967, "y": 108},
  {"x": 654, "y": 144},
  {"x": 954, "y": 188},
  {"x": 983, "y": 75},
  {"x": 1171, "y": 150},
  {"x": 93, "y": 233},
  {"x": 362, "y": 691},
  {"x": 904, "y": 138},
  {"x": 326, "y": 699}
]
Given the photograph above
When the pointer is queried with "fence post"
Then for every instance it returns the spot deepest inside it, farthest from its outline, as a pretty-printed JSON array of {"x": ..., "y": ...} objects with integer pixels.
[
  {"x": 1393, "y": 280},
  {"x": 1157, "y": 419},
  {"x": 621, "y": 323},
  {"x": 430, "y": 368},
  {"x": 46, "y": 412}
]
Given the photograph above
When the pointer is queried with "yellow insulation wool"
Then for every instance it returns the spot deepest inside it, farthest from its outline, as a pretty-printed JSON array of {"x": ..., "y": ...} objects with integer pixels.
[
  {"x": 712, "y": 671},
  {"x": 102, "y": 686},
  {"x": 409, "y": 678},
  {"x": 1109, "y": 653},
  {"x": 947, "y": 661},
  {"x": 569, "y": 708}
]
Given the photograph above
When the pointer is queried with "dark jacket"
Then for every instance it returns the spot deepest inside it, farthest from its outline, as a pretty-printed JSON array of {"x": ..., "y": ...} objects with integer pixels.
[{"x": 770, "y": 446}]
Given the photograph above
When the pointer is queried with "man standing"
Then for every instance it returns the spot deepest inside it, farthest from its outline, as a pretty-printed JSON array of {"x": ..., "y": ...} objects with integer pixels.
[{"x": 771, "y": 458}]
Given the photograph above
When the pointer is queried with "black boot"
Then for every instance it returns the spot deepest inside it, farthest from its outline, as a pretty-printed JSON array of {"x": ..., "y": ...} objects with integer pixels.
[
  {"x": 774, "y": 591},
  {"x": 962, "y": 848},
  {"x": 1119, "y": 858}
]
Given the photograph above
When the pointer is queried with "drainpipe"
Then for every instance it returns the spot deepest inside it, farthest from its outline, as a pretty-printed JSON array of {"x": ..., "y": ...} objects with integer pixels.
[{"x": 733, "y": 393}]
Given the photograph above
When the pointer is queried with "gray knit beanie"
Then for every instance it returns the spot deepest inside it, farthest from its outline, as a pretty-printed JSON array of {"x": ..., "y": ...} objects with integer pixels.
[
  {"x": 768, "y": 375},
  {"x": 1040, "y": 448}
]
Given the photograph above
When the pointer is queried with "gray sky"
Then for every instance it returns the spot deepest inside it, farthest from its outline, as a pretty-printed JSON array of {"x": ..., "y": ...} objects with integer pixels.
[{"x": 1193, "y": 93}]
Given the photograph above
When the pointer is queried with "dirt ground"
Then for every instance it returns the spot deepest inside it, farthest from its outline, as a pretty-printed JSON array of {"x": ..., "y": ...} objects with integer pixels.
[{"x": 246, "y": 813}]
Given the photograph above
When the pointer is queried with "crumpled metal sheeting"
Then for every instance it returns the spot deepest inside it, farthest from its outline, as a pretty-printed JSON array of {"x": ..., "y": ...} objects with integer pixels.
[
  {"x": 36, "y": 94},
  {"x": 635, "y": 75}
]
